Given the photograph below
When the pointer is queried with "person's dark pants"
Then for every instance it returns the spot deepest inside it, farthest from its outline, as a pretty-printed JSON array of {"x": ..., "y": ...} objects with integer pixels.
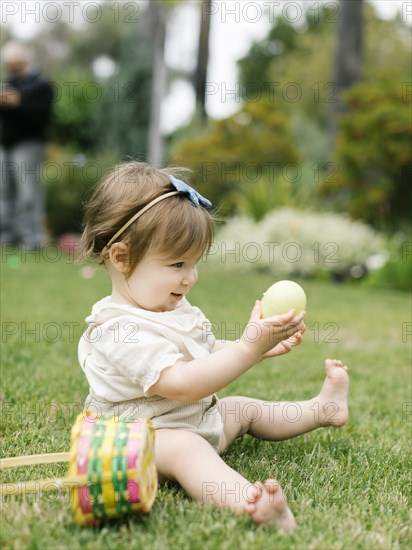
[{"x": 21, "y": 194}]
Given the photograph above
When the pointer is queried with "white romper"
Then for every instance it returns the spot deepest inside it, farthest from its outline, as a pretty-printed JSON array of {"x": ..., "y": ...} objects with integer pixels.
[{"x": 124, "y": 350}]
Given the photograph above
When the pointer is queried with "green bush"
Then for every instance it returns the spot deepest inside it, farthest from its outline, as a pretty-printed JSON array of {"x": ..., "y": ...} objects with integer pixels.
[
  {"x": 397, "y": 271},
  {"x": 292, "y": 187},
  {"x": 73, "y": 114},
  {"x": 68, "y": 179},
  {"x": 375, "y": 153},
  {"x": 238, "y": 152}
]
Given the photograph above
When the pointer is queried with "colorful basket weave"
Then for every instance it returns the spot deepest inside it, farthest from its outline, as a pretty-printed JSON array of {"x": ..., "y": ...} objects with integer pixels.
[{"x": 117, "y": 456}]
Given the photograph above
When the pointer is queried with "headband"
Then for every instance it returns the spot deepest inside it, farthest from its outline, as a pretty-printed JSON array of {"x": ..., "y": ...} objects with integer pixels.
[{"x": 181, "y": 187}]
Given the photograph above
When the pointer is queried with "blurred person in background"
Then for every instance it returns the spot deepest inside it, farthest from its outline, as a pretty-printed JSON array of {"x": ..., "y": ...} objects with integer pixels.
[{"x": 25, "y": 110}]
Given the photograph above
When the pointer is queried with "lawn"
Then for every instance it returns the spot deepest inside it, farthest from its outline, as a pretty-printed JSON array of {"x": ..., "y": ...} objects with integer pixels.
[{"x": 348, "y": 488}]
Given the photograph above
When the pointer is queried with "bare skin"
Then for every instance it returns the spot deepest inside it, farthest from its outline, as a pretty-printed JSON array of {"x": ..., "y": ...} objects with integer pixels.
[
  {"x": 188, "y": 459},
  {"x": 269, "y": 507}
]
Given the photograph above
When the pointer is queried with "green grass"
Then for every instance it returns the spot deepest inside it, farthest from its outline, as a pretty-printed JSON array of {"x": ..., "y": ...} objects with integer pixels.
[{"x": 348, "y": 488}]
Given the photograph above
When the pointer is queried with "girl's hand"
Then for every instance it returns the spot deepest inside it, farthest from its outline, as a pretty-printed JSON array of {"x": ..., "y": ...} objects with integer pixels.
[
  {"x": 271, "y": 336},
  {"x": 286, "y": 345}
]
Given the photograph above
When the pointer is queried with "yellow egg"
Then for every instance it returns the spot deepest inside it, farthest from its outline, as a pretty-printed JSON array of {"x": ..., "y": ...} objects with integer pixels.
[{"x": 281, "y": 297}]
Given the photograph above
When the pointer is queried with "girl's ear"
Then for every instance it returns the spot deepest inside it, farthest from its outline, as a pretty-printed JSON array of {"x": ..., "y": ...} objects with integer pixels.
[{"x": 118, "y": 256}]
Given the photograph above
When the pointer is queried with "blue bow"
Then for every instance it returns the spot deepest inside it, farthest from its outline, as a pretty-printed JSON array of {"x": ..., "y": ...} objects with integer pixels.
[{"x": 191, "y": 193}]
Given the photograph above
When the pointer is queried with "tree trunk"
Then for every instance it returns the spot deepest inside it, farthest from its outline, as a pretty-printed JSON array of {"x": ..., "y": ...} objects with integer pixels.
[
  {"x": 348, "y": 58},
  {"x": 202, "y": 58},
  {"x": 157, "y": 35}
]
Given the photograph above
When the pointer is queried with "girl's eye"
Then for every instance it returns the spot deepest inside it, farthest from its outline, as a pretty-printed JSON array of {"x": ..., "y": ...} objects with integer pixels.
[{"x": 179, "y": 264}]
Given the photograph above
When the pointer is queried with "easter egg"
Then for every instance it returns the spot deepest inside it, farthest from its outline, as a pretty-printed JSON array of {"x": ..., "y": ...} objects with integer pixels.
[{"x": 281, "y": 297}]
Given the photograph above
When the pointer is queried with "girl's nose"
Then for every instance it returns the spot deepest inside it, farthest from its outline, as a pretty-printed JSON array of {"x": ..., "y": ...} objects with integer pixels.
[{"x": 190, "y": 277}]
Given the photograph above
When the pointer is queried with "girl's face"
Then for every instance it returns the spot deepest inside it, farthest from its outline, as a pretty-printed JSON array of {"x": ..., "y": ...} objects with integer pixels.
[{"x": 157, "y": 283}]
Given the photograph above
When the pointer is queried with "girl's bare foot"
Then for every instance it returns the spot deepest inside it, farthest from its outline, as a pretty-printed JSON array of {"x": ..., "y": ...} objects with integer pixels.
[
  {"x": 331, "y": 406},
  {"x": 267, "y": 505}
]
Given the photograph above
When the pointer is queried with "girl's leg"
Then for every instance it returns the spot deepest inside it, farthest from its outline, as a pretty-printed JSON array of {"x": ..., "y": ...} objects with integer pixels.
[
  {"x": 187, "y": 458},
  {"x": 274, "y": 421}
]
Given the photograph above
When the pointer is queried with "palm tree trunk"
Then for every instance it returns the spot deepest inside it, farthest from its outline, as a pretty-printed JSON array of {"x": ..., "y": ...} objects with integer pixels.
[
  {"x": 348, "y": 58},
  {"x": 202, "y": 58},
  {"x": 157, "y": 36}
]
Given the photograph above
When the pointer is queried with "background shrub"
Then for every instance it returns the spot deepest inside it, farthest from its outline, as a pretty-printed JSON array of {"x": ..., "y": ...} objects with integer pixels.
[
  {"x": 397, "y": 271},
  {"x": 290, "y": 242},
  {"x": 68, "y": 179},
  {"x": 237, "y": 152},
  {"x": 374, "y": 152}
]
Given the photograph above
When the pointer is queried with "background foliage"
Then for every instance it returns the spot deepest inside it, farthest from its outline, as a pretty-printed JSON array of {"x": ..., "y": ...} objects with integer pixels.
[
  {"x": 292, "y": 69},
  {"x": 69, "y": 180},
  {"x": 292, "y": 243},
  {"x": 274, "y": 151},
  {"x": 374, "y": 153},
  {"x": 254, "y": 143}
]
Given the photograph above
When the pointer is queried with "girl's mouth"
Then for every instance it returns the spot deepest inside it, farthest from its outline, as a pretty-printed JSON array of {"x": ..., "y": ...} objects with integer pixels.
[{"x": 177, "y": 296}]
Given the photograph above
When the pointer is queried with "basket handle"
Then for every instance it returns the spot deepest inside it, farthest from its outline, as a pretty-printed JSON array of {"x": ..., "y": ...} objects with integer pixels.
[{"x": 29, "y": 460}]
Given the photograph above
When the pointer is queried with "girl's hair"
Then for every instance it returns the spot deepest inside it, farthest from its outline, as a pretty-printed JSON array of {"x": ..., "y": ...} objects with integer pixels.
[{"x": 174, "y": 227}]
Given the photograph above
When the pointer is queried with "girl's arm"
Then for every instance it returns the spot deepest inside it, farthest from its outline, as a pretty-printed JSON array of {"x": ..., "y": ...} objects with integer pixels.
[
  {"x": 220, "y": 344},
  {"x": 283, "y": 347},
  {"x": 193, "y": 380}
]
